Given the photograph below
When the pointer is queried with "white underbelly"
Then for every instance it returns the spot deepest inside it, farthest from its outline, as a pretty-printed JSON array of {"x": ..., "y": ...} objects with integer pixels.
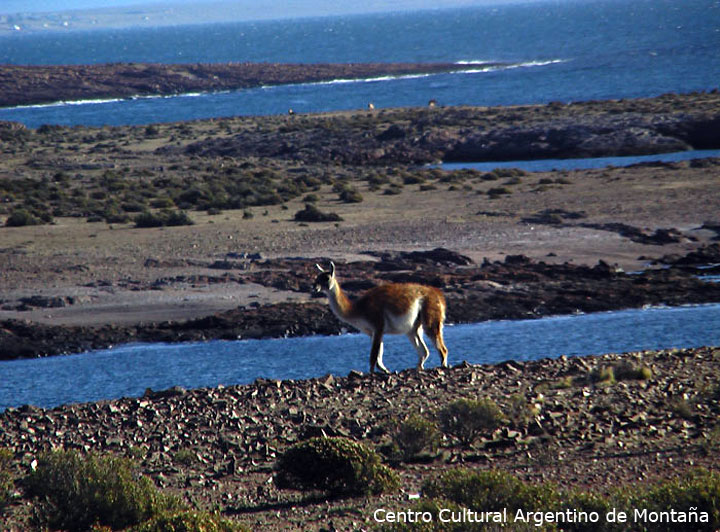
[
  {"x": 402, "y": 323},
  {"x": 394, "y": 323}
]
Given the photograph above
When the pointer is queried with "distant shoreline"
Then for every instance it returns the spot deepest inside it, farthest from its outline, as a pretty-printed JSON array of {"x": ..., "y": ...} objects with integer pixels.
[{"x": 35, "y": 84}]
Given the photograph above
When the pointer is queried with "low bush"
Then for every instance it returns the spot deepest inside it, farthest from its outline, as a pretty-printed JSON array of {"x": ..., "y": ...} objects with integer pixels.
[
  {"x": 176, "y": 218},
  {"x": 491, "y": 491},
  {"x": 162, "y": 218},
  {"x": 190, "y": 521},
  {"x": 496, "y": 192},
  {"x": 603, "y": 376},
  {"x": 466, "y": 419},
  {"x": 699, "y": 490},
  {"x": 338, "y": 466},
  {"x": 415, "y": 435},
  {"x": 148, "y": 219},
  {"x": 626, "y": 370},
  {"x": 6, "y": 480},
  {"x": 312, "y": 214},
  {"x": 21, "y": 218},
  {"x": 695, "y": 495},
  {"x": 75, "y": 492},
  {"x": 350, "y": 195}
]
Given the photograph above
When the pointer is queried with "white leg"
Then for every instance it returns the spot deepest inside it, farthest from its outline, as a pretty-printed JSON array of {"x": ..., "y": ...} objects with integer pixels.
[
  {"x": 380, "y": 360},
  {"x": 416, "y": 337},
  {"x": 376, "y": 353}
]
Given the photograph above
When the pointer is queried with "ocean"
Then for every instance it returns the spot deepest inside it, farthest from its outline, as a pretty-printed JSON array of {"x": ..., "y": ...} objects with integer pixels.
[{"x": 559, "y": 50}]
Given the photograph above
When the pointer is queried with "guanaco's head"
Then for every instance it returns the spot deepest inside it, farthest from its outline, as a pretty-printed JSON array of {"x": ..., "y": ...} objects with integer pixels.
[{"x": 325, "y": 279}]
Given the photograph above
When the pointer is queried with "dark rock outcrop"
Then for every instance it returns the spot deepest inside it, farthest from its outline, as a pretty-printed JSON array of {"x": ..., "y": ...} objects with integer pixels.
[{"x": 420, "y": 136}]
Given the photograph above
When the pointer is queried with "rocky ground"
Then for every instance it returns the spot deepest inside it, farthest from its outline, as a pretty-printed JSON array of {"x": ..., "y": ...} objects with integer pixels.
[{"x": 217, "y": 447}]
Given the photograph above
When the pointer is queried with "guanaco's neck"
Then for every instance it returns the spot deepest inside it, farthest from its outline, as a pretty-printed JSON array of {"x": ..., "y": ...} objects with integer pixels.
[{"x": 339, "y": 302}]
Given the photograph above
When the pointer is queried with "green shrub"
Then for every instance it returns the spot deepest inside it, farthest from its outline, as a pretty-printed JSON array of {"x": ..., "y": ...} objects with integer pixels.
[
  {"x": 132, "y": 206},
  {"x": 699, "y": 490},
  {"x": 509, "y": 172},
  {"x": 696, "y": 493},
  {"x": 588, "y": 501},
  {"x": 416, "y": 434},
  {"x": 498, "y": 191},
  {"x": 149, "y": 219},
  {"x": 491, "y": 491},
  {"x": 162, "y": 203},
  {"x": 163, "y": 218},
  {"x": 190, "y": 521},
  {"x": 176, "y": 218},
  {"x": 21, "y": 218},
  {"x": 520, "y": 412},
  {"x": 338, "y": 466},
  {"x": 185, "y": 457},
  {"x": 311, "y": 198},
  {"x": 466, "y": 419},
  {"x": 393, "y": 190},
  {"x": 626, "y": 370},
  {"x": 603, "y": 376},
  {"x": 413, "y": 179},
  {"x": 75, "y": 492},
  {"x": 350, "y": 195},
  {"x": 6, "y": 481},
  {"x": 312, "y": 214}
]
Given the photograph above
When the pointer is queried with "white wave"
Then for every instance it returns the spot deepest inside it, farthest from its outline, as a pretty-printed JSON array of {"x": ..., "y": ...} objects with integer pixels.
[
  {"x": 472, "y": 67},
  {"x": 538, "y": 63},
  {"x": 475, "y": 67},
  {"x": 370, "y": 80},
  {"x": 343, "y": 81},
  {"x": 495, "y": 65},
  {"x": 98, "y": 101},
  {"x": 62, "y": 103},
  {"x": 476, "y": 62}
]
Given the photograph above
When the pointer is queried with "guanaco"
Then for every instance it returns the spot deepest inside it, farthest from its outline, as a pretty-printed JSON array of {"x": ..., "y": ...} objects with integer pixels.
[{"x": 396, "y": 308}]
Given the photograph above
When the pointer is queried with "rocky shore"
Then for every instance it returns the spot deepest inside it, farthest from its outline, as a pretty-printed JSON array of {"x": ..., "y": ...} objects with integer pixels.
[
  {"x": 29, "y": 85},
  {"x": 566, "y": 421}
]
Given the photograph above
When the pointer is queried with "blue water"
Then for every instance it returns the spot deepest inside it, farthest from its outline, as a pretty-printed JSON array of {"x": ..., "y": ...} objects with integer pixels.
[
  {"x": 559, "y": 51},
  {"x": 546, "y": 165},
  {"x": 129, "y": 370}
]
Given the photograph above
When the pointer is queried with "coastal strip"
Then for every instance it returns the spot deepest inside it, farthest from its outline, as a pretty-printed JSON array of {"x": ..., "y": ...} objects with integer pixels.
[{"x": 41, "y": 84}]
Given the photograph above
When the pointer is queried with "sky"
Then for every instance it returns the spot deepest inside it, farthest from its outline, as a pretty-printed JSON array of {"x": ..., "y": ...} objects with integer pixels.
[{"x": 309, "y": 7}]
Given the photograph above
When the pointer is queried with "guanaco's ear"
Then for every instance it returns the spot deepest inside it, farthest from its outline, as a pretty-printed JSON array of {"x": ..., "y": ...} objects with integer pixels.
[
  {"x": 320, "y": 268},
  {"x": 332, "y": 269}
]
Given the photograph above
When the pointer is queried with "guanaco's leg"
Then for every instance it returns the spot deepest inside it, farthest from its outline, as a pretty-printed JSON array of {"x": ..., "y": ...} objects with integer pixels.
[
  {"x": 416, "y": 337},
  {"x": 376, "y": 353},
  {"x": 436, "y": 335}
]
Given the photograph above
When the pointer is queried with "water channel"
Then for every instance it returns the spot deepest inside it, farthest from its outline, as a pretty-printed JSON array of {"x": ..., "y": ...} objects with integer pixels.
[{"x": 126, "y": 371}]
